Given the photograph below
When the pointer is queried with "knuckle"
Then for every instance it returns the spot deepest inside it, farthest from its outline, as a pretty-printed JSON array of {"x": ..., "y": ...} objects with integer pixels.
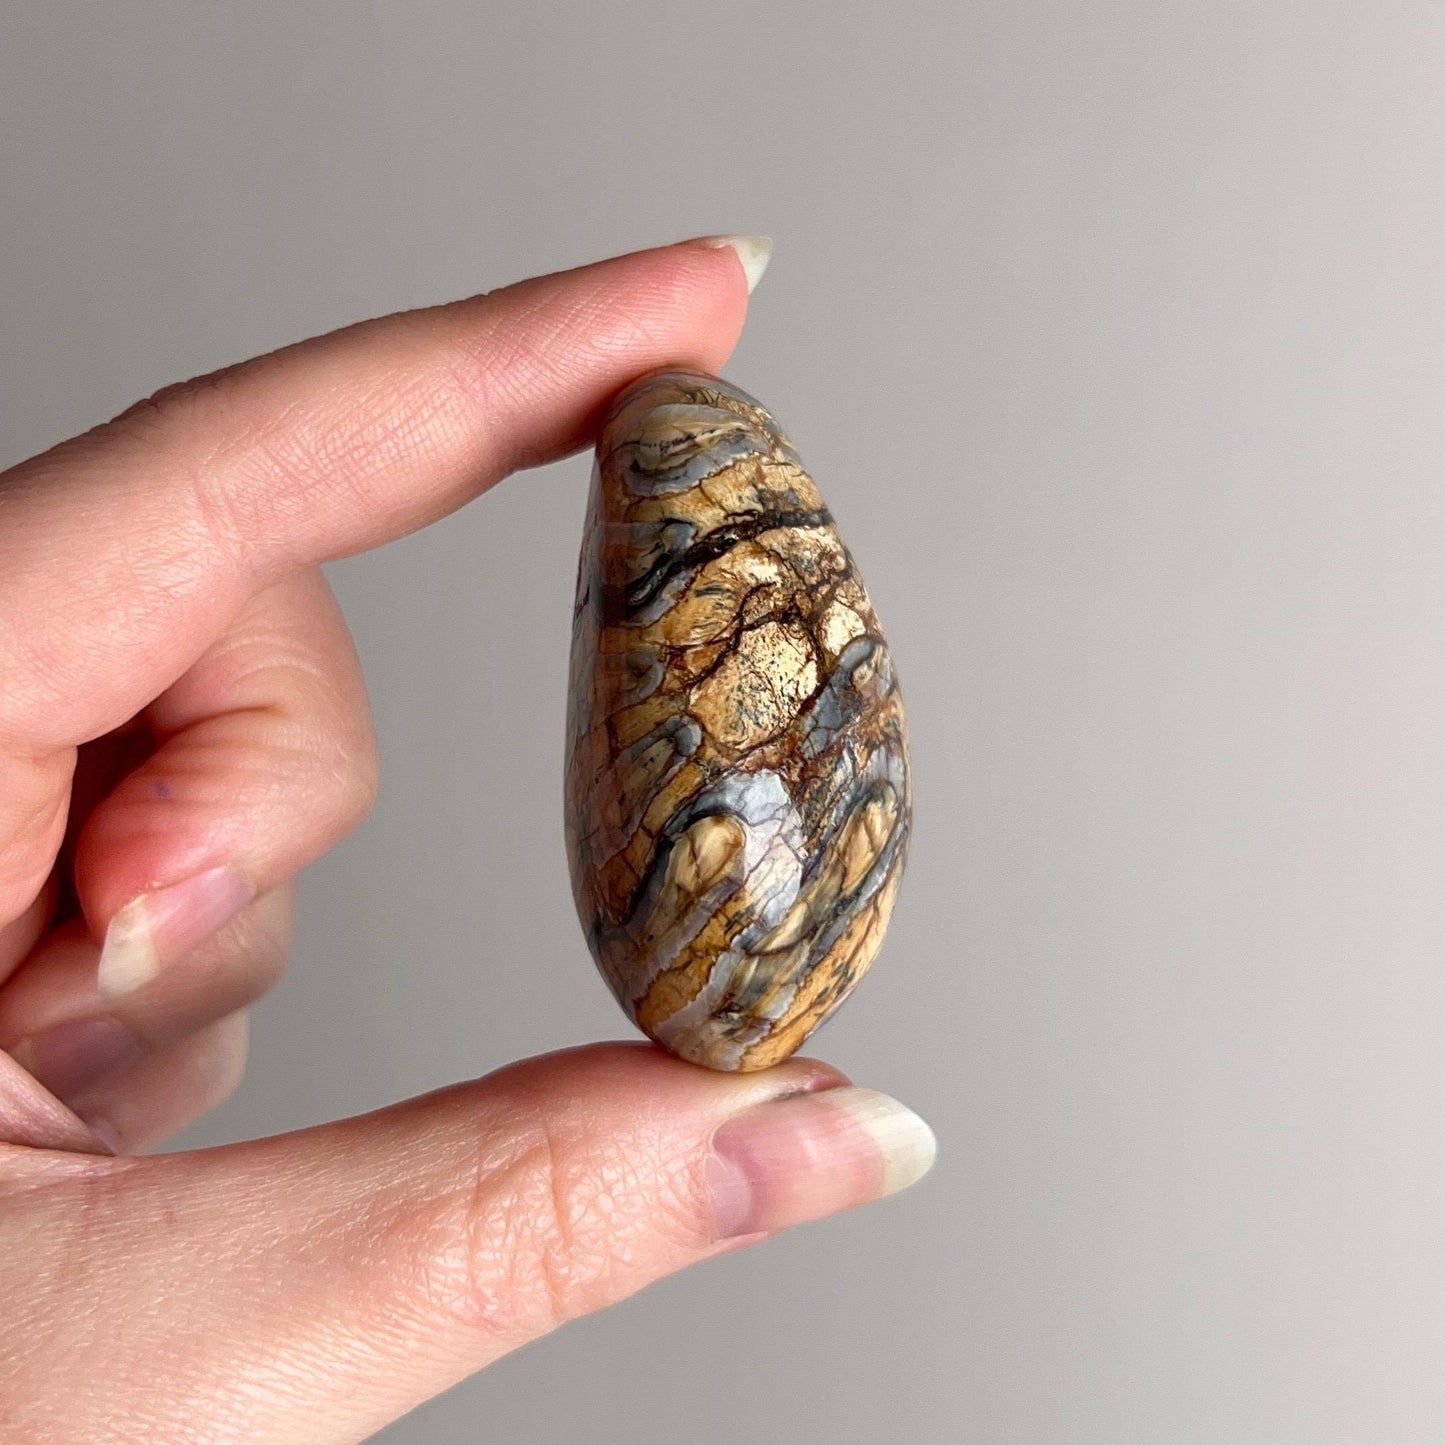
[
  {"x": 516, "y": 1241},
  {"x": 496, "y": 1258},
  {"x": 550, "y": 1228},
  {"x": 207, "y": 431},
  {"x": 319, "y": 743},
  {"x": 347, "y": 767},
  {"x": 361, "y": 779},
  {"x": 510, "y": 1259},
  {"x": 173, "y": 402},
  {"x": 187, "y": 425},
  {"x": 335, "y": 742}
]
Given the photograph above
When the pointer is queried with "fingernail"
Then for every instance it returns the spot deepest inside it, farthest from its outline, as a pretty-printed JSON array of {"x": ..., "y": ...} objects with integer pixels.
[
  {"x": 809, "y": 1155},
  {"x": 107, "y": 1136},
  {"x": 74, "y": 1056},
  {"x": 155, "y": 929},
  {"x": 753, "y": 251}
]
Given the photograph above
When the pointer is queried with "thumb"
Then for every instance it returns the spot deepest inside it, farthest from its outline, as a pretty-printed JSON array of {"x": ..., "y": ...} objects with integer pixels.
[{"x": 318, "y": 1285}]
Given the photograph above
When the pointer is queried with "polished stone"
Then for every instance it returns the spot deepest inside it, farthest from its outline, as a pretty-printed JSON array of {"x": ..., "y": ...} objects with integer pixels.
[{"x": 737, "y": 795}]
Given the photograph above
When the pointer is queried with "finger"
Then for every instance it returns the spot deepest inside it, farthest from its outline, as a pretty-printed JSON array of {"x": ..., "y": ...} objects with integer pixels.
[
  {"x": 186, "y": 505},
  {"x": 31, "y": 1116},
  {"x": 419, "y": 1244},
  {"x": 20, "y": 935},
  {"x": 55, "y": 1021},
  {"x": 168, "y": 1091},
  {"x": 266, "y": 760},
  {"x": 98, "y": 767}
]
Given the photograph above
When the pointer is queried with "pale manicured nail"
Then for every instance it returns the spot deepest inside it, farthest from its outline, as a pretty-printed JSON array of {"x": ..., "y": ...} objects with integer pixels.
[
  {"x": 753, "y": 251},
  {"x": 152, "y": 931},
  {"x": 71, "y": 1057},
  {"x": 805, "y": 1156}
]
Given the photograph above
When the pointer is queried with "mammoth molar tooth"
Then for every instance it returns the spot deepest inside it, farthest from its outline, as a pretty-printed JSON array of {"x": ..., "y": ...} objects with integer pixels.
[{"x": 737, "y": 795}]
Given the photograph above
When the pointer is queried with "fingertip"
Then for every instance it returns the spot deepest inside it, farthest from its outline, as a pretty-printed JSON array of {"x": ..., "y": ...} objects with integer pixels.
[
  {"x": 753, "y": 253},
  {"x": 606, "y": 323},
  {"x": 712, "y": 278},
  {"x": 690, "y": 298},
  {"x": 798, "y": 1159},
  {"x": 168, "y": 1091}
]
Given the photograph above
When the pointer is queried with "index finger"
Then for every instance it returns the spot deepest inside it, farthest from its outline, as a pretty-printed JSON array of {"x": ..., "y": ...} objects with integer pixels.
[{"x": 125, "y": 551}]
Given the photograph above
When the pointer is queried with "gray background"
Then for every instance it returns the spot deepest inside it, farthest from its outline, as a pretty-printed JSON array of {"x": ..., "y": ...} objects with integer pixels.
[{"x": 1113, "y": 332}]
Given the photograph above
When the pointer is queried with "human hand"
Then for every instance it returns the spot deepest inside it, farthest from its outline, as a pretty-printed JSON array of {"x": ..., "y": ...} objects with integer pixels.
[{"x": 182, "y": 728}]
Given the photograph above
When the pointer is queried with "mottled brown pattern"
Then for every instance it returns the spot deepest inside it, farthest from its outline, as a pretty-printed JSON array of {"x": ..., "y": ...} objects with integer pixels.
[{"x": 737, "y": 771}]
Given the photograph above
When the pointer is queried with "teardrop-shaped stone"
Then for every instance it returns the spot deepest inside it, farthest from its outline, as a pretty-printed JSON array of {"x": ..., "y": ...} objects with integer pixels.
[{"x": 737, "y": 774}]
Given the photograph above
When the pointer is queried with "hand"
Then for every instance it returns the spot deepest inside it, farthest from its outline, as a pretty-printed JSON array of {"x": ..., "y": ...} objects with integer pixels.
[{"x": 182, "y": 728}]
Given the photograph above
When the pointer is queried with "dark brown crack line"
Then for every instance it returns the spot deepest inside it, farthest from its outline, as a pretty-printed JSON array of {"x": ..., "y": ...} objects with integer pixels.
[{"x": 627, "y": 600}]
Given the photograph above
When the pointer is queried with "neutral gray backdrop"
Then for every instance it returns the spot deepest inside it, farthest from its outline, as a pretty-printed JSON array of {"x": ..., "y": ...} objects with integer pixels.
[{"x": 1113, "y": 332}]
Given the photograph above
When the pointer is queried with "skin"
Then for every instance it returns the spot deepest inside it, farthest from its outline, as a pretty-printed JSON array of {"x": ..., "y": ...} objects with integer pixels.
[{"x": 178, "y": 692}]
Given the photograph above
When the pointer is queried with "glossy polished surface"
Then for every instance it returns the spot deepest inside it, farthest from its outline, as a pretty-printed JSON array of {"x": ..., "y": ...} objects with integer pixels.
[{"x": 737, "y": 776}]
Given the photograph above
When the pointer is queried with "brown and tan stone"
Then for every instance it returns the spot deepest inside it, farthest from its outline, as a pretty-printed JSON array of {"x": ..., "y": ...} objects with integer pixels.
[{"x": 737, "y": 790}]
